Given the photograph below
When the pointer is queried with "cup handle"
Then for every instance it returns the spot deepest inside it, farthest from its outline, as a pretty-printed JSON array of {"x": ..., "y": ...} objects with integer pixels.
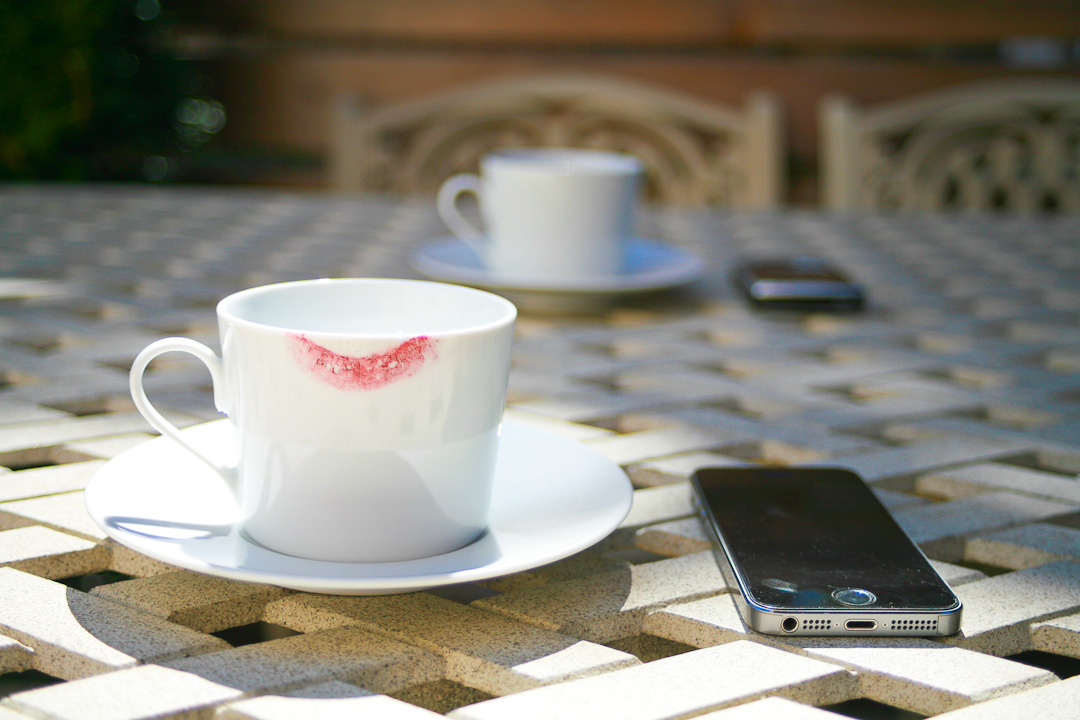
[
  {"x": 158, "y": 421},
  {"x": 446, "y": 201}
]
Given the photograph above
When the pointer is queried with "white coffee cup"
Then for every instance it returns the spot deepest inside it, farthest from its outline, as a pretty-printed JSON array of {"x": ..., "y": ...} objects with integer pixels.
[
  {"x": 549, "y": 213},
  {"x": 366, "y": 411}
]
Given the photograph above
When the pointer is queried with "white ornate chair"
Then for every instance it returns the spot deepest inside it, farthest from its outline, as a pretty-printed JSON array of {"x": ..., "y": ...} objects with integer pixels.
[
  {"x": 696, "y": 153},
  {"x": 1008, "y": 145}
]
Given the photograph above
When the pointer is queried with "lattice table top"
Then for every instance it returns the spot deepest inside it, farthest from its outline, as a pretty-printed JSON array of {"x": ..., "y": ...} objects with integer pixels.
[{"x": 956, "y": 394}]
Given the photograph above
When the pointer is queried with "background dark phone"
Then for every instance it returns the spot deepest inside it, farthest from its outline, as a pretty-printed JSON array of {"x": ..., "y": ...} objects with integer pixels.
[
  {"x": 797, "y": 283},
  {"x": 797, "y": 534}
]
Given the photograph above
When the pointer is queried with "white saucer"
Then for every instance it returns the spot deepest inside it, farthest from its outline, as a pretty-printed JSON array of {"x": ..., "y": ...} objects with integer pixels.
[
  {"x": 650, "y": 266},
  {"x": 553, "y": 497}
]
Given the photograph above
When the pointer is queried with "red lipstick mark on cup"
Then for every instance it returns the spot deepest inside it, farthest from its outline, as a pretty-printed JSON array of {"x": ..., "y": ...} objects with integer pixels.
[{"x": 368, "y": 372}]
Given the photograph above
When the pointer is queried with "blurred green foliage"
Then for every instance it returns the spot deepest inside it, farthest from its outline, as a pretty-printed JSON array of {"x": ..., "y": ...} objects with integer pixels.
[{"x": 91, "y": 90}]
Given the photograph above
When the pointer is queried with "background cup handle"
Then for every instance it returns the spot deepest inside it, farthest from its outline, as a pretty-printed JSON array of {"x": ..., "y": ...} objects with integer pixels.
[
  {"x": 157, "y": 420},
  {"x": 446, "y": 201}
]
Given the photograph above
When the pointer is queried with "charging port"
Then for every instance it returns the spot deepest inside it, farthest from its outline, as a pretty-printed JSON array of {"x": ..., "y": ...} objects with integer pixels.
[
  {"x": 860, "y": 624},
  {"x": 790, "y": 624}
]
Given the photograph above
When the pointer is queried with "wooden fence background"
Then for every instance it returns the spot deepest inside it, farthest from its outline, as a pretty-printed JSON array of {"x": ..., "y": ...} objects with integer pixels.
[{"x": 277, "y": 65}]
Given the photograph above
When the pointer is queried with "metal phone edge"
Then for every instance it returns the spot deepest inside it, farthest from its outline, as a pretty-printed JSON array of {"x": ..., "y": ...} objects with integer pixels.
[{"x": 833, "y": 623}]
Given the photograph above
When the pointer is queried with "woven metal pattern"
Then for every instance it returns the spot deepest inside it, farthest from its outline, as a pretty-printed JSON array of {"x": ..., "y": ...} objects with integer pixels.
[{"x": 956, "y": 394}]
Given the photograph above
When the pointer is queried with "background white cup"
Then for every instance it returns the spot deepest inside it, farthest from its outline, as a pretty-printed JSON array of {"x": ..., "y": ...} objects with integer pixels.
[
  {"x": 366, "y": 411},
  {"x": 549, "y": 213}
]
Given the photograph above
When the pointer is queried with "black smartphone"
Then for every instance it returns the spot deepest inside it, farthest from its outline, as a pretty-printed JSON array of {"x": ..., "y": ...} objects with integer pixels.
[
  {"x": 807, "y": 283},
  {"x": 814, "y": 552}
]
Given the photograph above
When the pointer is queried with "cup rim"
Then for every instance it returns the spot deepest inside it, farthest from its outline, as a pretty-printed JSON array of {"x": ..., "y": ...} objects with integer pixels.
[
  {"x": 507, "y": 315},
  {"x": 587, "y": 161}
]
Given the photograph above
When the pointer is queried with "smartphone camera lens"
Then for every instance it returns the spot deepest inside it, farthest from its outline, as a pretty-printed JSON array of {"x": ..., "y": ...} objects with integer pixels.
[{"x": 790, "y": 624}]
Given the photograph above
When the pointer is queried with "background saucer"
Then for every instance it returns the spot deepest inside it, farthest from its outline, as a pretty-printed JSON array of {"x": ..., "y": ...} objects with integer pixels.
[
  {"x": 553, "y": 497},
  {"x": 650, "y": 266}
]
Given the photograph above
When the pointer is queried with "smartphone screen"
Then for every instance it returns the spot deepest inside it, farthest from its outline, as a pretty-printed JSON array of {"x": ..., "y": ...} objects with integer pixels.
[{"x": 818, "y": 540}]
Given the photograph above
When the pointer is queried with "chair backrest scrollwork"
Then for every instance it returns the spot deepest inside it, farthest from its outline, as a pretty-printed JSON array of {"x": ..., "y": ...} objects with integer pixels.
[
  {"x": 695, "y": 153},
  {"x": 1011, "y": 146}
]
